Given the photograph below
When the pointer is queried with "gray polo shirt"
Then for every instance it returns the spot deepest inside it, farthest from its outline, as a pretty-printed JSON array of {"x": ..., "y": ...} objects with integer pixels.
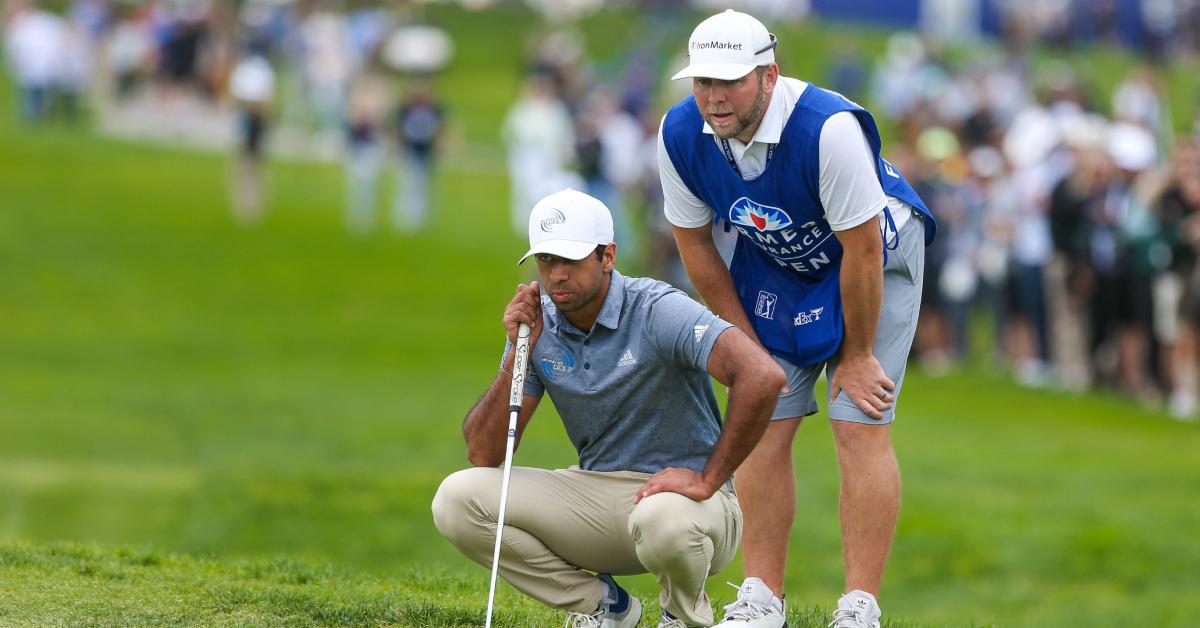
[{"x": 633, "y": 392}]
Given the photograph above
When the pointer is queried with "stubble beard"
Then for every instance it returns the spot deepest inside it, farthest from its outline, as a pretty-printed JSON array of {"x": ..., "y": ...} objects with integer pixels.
[{"x": 744, "y": 121}]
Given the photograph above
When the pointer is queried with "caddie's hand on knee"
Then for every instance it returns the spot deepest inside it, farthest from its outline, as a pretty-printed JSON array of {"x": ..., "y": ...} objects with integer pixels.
[
  {"x": 675, "y": 480},
  {"x": 525, "y": 307},
  {"x": 865, "y": 383}
]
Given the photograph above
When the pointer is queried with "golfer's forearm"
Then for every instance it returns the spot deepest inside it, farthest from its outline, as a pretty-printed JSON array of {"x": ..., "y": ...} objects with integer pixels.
[
  {"x": 751, "y": 401},
  {"x": 486, "y": 426},
  {"x": 862, "y": 295}
]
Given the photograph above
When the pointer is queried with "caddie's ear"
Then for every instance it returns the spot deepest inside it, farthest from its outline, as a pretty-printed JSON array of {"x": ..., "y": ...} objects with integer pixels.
[
  {"x": 610, "y": 257},
  {"x": 770, "y": 77}
]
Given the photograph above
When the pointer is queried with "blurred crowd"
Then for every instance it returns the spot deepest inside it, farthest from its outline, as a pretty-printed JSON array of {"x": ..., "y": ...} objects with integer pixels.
[
  {"x": 49, "y": 56},
  {"x": 1076, "y": 231},
  {"x": 1068, "y": 228},
  {"x": 354, "y": 78},
  {"x": 1161, "y": 30}
]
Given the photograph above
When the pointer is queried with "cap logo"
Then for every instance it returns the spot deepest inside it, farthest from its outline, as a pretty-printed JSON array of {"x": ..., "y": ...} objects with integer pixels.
[
  {"x": 715, "y": 45},
  {"x": 556, "y": 218}
]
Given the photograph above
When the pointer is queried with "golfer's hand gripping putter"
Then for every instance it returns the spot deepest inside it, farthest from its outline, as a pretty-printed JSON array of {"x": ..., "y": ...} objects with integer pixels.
[{"x": 514, "y": 409}]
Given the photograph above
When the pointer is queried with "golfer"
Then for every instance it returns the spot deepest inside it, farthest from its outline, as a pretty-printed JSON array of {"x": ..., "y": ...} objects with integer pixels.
[
  {"x": 627, "y": 363},
  {"x": 826, "y": 273}
]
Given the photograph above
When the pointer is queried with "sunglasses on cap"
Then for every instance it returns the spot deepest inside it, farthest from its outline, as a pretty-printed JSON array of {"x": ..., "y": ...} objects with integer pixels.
[{"x": 774, "y": 43}]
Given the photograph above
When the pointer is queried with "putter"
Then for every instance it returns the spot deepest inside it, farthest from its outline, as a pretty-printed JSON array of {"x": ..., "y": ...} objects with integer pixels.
[{"x": 514, "y": 409}]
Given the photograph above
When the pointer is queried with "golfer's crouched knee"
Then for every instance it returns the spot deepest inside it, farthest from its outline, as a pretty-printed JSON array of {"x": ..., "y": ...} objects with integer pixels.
[
  {"x": 664, "y": 529},
  {"x": 458, "y": 507}
]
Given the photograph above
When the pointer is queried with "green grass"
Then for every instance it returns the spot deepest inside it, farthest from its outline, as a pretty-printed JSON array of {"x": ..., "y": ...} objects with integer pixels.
[
  {"x": 74, "y": 584},
  {"x": 171, "y": 381}
]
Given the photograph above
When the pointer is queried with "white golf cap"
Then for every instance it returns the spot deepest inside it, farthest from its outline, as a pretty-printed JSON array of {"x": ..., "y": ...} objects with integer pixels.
[
  {"x": 727, "y": 46},
  {"x": 568, "y": 224}
]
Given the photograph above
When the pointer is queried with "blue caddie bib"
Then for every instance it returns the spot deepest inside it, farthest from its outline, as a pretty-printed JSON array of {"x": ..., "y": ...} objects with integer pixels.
[{"x": 787, "y": 261}]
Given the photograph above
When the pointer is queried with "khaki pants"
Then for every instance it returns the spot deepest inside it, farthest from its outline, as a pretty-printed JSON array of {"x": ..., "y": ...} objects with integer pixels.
[{"x": 560, "y": 523}]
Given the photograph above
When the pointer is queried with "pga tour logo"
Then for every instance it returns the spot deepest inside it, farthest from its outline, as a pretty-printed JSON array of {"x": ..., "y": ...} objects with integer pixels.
[
  {"x": 747, "y": 213},
  {"x": 765, "y": 306},
  {"x": 804, "y": 318},
  {"x": 556, "y": 218}
]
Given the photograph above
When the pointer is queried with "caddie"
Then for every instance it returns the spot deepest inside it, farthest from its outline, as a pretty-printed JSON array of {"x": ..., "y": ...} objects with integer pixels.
[
  {"x": 627, "y": 362},
  {"x": 826, "y": 274}
]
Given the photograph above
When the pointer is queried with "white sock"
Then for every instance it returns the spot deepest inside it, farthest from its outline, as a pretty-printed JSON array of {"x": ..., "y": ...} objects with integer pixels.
[{"x": 609, "y": 595}]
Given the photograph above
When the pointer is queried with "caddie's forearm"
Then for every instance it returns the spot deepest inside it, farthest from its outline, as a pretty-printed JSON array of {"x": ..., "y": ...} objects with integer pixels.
[
  {"x": 486, "y": 426},
  {"x": 708, "y": 273},
  {"x": 862, "y": 297}
]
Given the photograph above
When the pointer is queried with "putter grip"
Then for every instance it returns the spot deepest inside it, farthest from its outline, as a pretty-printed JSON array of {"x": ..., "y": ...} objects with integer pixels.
[{"x": 518, "y": 373}]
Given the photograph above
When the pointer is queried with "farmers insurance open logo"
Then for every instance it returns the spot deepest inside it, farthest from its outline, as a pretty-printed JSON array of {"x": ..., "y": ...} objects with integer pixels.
[
  {"x": 747, "y": 213},
  {"x": 772, "y": 230}
]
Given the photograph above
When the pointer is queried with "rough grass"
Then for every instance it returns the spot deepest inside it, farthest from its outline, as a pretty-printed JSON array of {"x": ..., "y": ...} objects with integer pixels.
[{"x": 59, "y": 584}]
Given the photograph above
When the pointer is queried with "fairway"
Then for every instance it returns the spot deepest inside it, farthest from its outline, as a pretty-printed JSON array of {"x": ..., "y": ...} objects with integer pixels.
[{"x": 264, "y": 415}]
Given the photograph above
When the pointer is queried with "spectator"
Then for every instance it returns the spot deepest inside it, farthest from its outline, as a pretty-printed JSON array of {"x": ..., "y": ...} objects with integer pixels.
[
  {"x": 252, "y": 87},
  {"x": 130, "y": 49},
  {"x": 324, "y": 57},
  {"x": 540, "y": 138},
  {"x": 1000, "y": 210},
  {"x": 1029, "y": 145},
  {"x": 35, "y": 40},
  {"x": 1123, "y": 256},
  {"x": 1178, "y": 210},
  {"x": 1137, "y": 101},
  {"x": 364, "y": 151},
  {"x": 420, "y": 120},
  {"x": 1072, "y": 202}
]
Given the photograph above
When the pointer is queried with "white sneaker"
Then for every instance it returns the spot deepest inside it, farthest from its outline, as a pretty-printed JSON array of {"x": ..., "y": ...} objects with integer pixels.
[
  {"x": 604, "y": 617},
  {"x": 667, "y": 621},
  {"x": 856, "y": 609},
  {"x": 755, "y": 607},
  {"x": 1183, "y": 406}
]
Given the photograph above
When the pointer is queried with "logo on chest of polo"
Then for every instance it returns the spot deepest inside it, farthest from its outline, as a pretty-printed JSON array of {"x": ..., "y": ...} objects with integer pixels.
[
  {"x": 559, "y": 363},
  {"x": 802, "y": 248}
]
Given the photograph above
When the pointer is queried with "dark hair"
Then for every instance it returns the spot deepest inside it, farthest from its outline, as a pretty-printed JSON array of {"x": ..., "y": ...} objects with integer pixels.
[{"x": 600, "y": 251}]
